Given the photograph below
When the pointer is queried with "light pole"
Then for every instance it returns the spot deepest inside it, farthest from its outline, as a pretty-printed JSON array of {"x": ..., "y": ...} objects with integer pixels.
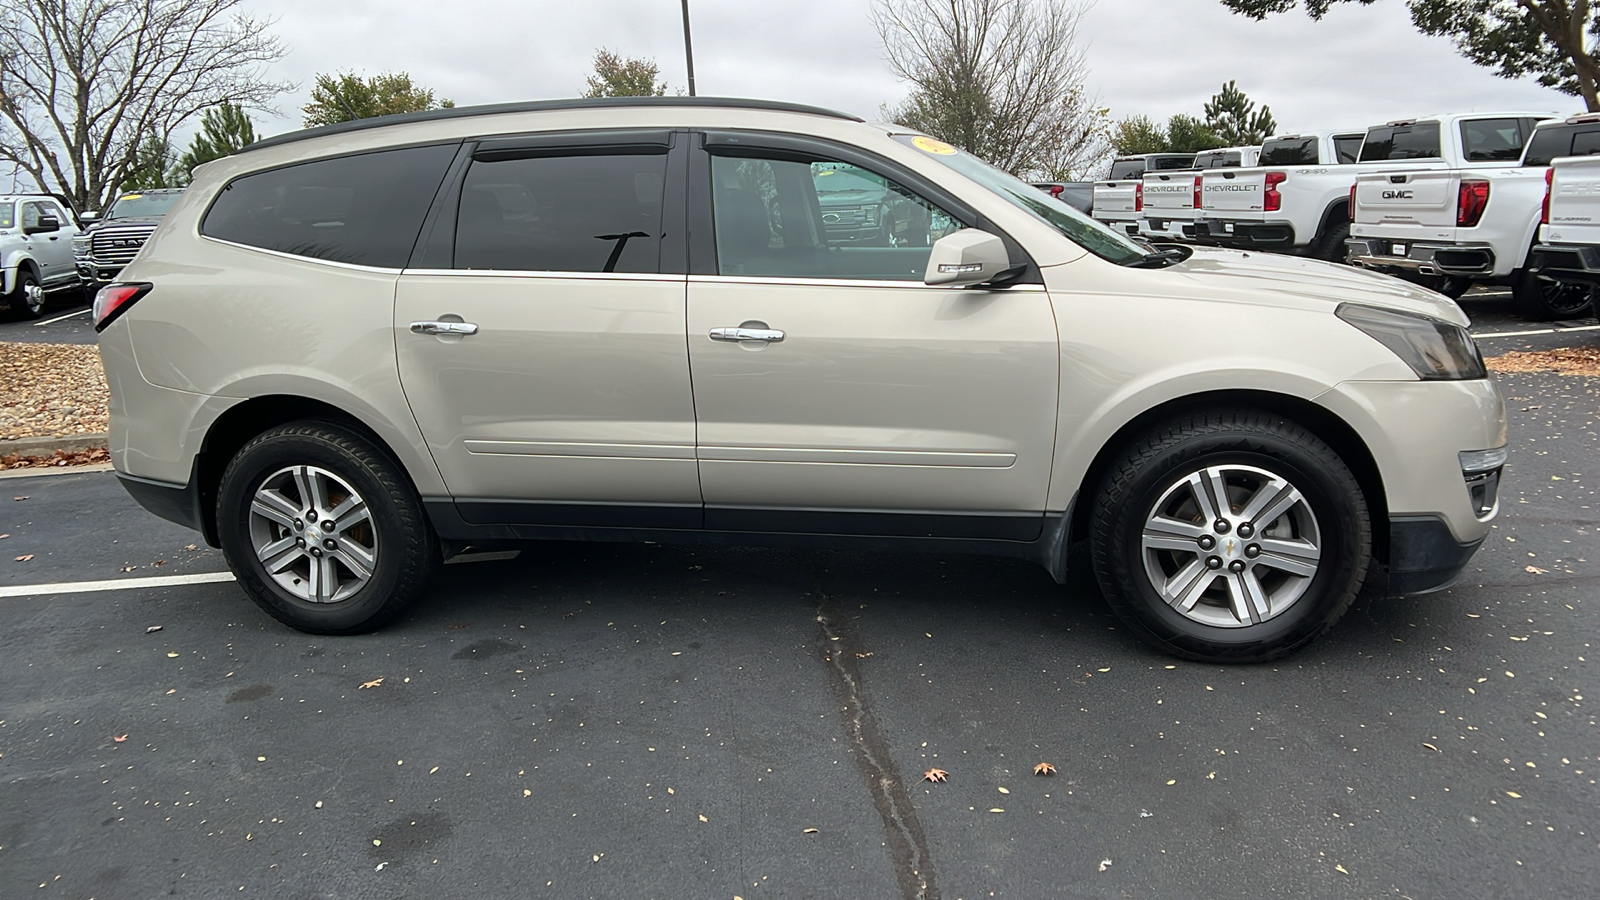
[{"x": 688, "y": 46}]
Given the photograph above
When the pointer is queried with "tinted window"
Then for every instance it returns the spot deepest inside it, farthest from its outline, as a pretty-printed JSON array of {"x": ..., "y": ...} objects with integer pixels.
[
  {"x": 1419, "y": 141},
  {"x": 1347, "y": 147},
  {"x": 1126, "y": 168},
  {"x": 562, "y": 214},
  {"x": 1551, "y": 142},
  {"x": 1493, "y": 140},
  {"x": 362, "y": 209},
  {"x": 1289, "y": 152},
  {"x": 1161, "y": 164},
  {"x": 823, "y": 219}
]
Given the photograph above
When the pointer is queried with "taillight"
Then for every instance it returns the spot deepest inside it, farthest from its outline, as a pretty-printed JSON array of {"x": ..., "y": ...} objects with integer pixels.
[
  {"x": 1197, "y": 192},
  {"x": 1544, "y": 211},
  {"x": 1470, "y": 201},
  {"x": 1351, "y": 209},
  {"x": 113, "y": 300},
  {"x": 1138, "y": 197},
  {"x": 1056, "y": 189},
  {"x": 1272, "y": 201}
]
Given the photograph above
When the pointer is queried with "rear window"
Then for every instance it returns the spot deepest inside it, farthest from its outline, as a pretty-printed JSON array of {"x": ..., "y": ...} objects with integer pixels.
[
  {"x": 1562, "y": 140},
  {"x": 365, "y": 210},
  {"x": 1126, "y": 168},
  {"x": 1493, "y": 140},
  {"x": 1289, "y": 152},
  {"x": 1161, "y": 164},
  {"x": 1217, "y": 160},
  {"x": 1386, "y": 142},
  {"x": 1348, "y": 148}
]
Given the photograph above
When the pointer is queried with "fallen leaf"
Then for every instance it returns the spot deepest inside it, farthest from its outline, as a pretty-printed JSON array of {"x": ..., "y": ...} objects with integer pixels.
[
  {"x": 152, "y": 629},
  {"x": 172, "y": 654},
  {"x": 1105, "y": 864},
  {"x": 377, "y": 843},
  {"x": 1535, "y": 570},
  {"x": 808, "y": 831},
  {"x": 25, "y": 557},
  {"x": 173, "y": 691},
  {"x": 1513, "y": 795},
  {"x": 996, "y": 809},
  {"x": 1004, "y": 790},
  {"x": 1431, "y": 747},
  {"x": 19, "y": 498},
  {"x": 862, "y": 655},
  {"x": 703, "y": 818},
  {"x": 1044, "y": 768},
  {"x": 1171, "y": 782},
  {"x": 190, "y": 547},
  {"x": 527, "y": 793},
  {"x": 935, "y": 775},
  {"x": 371, "y": 684},
  {"x": 1341, "y": 870},
  {"x": 379, "y": 866},
  {"x": 1106, "y": 669},
  {"x": 119, "y": 738},
  {"x": 261, "y": 759},
  {"x": 4, "y": 536},
  {"x": 317, "y": 805}
]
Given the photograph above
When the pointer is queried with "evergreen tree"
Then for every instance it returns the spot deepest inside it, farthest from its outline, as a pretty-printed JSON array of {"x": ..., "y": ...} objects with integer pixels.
[
  {"x": 1235, "y": 120},
  {"x": 224, "y": 129}
]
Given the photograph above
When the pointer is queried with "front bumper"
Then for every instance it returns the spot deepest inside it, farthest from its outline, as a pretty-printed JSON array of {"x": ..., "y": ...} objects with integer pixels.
[
  {"x": 1427, "y": 258},
  {"x": 1566, "y": 262},
  {"x": 1424, "y": 556}
]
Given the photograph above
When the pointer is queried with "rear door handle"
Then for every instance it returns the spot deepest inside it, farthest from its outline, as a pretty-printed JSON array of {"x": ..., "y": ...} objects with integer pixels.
[
  {"x": 734, "y": 335},
  {"x": 444, "y": 328}
]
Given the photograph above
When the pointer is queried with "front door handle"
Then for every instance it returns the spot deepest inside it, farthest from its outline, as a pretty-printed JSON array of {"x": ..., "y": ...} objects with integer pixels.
[
  {"x": 443, "y": 328},
  {"x": 735, "y": 335}
]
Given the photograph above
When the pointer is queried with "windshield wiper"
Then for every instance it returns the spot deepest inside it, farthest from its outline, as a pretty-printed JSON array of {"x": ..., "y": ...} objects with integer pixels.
[{"x": 1159, "y": 259}]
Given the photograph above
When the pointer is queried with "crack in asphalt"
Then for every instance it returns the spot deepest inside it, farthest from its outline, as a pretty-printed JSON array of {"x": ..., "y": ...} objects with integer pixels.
[{"x": 908, "y": 846}]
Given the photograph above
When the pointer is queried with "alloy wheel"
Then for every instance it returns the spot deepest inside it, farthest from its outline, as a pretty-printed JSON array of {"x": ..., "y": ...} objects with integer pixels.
[{"x": 313, "y": 534}]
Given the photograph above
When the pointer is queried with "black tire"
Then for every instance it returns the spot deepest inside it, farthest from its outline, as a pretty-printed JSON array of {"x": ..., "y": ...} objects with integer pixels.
[
  {"x": 1330, "y": 246},
  {"x": 24, "y": 301},
  {"x": 1542, "y": 300},
  {"x": 403, "y": 542},
  {"x": 1152, "y": 468},
  {"x": 1452, "y": 286}
]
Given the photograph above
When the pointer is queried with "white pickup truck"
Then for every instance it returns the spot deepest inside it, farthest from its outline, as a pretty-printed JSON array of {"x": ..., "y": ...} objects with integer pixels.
[
  {"x": 1294, "y": 200},
  {"x": 1568, "y": 250},
  {"x": 1172, "y": 197},
  {"x": 1471, "y": 214},
  {"x": 1119, "y": 200}
]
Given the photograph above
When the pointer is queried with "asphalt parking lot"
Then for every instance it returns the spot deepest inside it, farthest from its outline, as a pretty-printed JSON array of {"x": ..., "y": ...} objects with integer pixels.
[{"x": 654, "y": 721}]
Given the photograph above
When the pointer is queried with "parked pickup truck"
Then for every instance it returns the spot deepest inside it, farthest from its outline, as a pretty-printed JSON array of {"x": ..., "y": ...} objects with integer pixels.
[
  {"x": 1119, "y": 200},
  {"x": 1171, "y": 197},
  {"x": 1568, "y": 250},
  {"x": 1294, "y": 200},
  {"x": 1471, "y": 224}
]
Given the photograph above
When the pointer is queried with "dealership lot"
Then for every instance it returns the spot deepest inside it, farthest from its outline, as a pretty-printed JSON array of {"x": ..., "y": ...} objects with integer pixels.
[{"x": 646, "y": 720}]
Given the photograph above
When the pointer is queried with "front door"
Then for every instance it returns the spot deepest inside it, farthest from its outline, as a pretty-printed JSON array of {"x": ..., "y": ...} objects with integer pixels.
[
  {"x": 52, "y": 250},
  {"x": 834, "y": 391},
  {"x": 544, "y": 355}
]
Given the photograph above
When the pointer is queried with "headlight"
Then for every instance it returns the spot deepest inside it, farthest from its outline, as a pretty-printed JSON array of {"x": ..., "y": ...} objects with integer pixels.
[{"x": 1435, "y": 350}]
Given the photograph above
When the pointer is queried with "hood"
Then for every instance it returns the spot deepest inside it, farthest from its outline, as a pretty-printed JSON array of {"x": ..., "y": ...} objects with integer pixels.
[
  {"x": 123, "y": 220},
  {"x": 1272, "y": 278}
]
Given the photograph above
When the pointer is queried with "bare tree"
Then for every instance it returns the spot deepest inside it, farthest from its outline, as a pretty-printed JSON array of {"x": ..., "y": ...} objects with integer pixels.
[
  {"x": 84, "y": 83},
  {"x": 1003, "y": 79}
]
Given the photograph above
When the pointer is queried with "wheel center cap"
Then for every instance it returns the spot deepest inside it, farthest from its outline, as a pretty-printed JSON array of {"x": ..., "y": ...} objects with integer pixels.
[{"x": 1232, "y": 548}]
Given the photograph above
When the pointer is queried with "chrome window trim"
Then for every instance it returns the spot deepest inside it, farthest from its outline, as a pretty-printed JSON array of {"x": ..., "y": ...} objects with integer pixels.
[
  {"x": 534, "y": 273},
  {"x": 850, "y": 283},
  {"x": 379, "y": 270}
]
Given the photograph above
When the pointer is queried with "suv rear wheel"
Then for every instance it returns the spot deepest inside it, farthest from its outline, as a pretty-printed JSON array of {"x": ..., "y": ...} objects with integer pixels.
[
  {"x": 1230, "y": 536},
  {"x": 323, "y": 530}
]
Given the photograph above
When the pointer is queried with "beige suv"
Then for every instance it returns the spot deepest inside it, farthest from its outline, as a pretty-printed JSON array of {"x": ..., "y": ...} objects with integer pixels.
[{"x": 349, "y": 352}]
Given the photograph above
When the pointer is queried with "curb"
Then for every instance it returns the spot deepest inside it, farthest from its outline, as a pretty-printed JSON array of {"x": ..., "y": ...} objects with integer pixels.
[{"x": 47, "y": 446}]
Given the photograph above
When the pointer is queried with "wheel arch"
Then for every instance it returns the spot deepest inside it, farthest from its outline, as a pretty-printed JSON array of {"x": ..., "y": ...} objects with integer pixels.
[
  {"x": 243, "y": 421},
  {"x": 16, "y": 264},
  {"x": 1338, "y": 209},
  {"x": 1325, "y": 424}
]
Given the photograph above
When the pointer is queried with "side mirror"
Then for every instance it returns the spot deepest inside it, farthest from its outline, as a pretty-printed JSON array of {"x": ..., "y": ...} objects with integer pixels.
[
  {"x": 88, "y": 217},
  {"x": 46, "y": 224},
  {"x": 968, "y": 256}
]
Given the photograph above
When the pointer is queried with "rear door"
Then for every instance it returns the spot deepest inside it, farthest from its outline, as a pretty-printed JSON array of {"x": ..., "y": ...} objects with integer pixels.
[
  {"x": 540, "y": 334},
  {"x": 870, "y": 403}
]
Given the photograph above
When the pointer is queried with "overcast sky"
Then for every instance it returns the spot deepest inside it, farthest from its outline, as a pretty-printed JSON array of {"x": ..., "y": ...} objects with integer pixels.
[{"x": 1358, "y": 66}]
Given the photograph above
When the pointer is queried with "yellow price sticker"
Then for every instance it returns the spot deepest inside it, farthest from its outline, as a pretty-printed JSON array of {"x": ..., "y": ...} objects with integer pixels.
[
  {"x": 929, "y": 145},
  {"x": 131, "y": 196}
]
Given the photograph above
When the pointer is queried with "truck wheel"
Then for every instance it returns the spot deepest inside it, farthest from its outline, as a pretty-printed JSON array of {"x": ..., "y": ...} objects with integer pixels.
[
  {"x": 324, "y": 532},
  {"x": 27, "y": 298},
  {"x": 1331, "y": 246},
  {"x": 1541, "y": 299},
  {"x": 1230, "y": 536}
]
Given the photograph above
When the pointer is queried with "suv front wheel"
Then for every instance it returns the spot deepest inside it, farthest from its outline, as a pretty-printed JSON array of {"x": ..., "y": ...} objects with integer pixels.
[
  {"x": 323, "y": 530},
  {"x": 1230, "y": 536}
]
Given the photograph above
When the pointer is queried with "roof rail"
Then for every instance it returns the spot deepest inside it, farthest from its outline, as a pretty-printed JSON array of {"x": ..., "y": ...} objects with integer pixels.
[{"x": 460, "y": 112}]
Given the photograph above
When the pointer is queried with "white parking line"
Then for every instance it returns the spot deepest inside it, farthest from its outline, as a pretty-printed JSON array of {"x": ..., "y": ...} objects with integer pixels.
[
  {"x": 114, "y": 584},
  {"x": 1494, "y": 334},
  {"x": 59, "y": 318}
]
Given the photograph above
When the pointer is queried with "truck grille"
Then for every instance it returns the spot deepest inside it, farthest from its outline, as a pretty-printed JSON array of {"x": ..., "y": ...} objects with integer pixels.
[{"x": 118, "y": 246}]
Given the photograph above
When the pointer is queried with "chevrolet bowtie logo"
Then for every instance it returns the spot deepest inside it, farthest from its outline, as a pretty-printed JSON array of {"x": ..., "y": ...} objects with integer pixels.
[{"x": 1230, "y": 546}]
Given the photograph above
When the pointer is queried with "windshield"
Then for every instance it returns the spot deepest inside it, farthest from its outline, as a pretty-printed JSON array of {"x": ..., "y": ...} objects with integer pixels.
[
  {"x": 138, "y": 206},
  {"x": 1075, "y": 226},
  {"x": 831, "y": 180}
]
